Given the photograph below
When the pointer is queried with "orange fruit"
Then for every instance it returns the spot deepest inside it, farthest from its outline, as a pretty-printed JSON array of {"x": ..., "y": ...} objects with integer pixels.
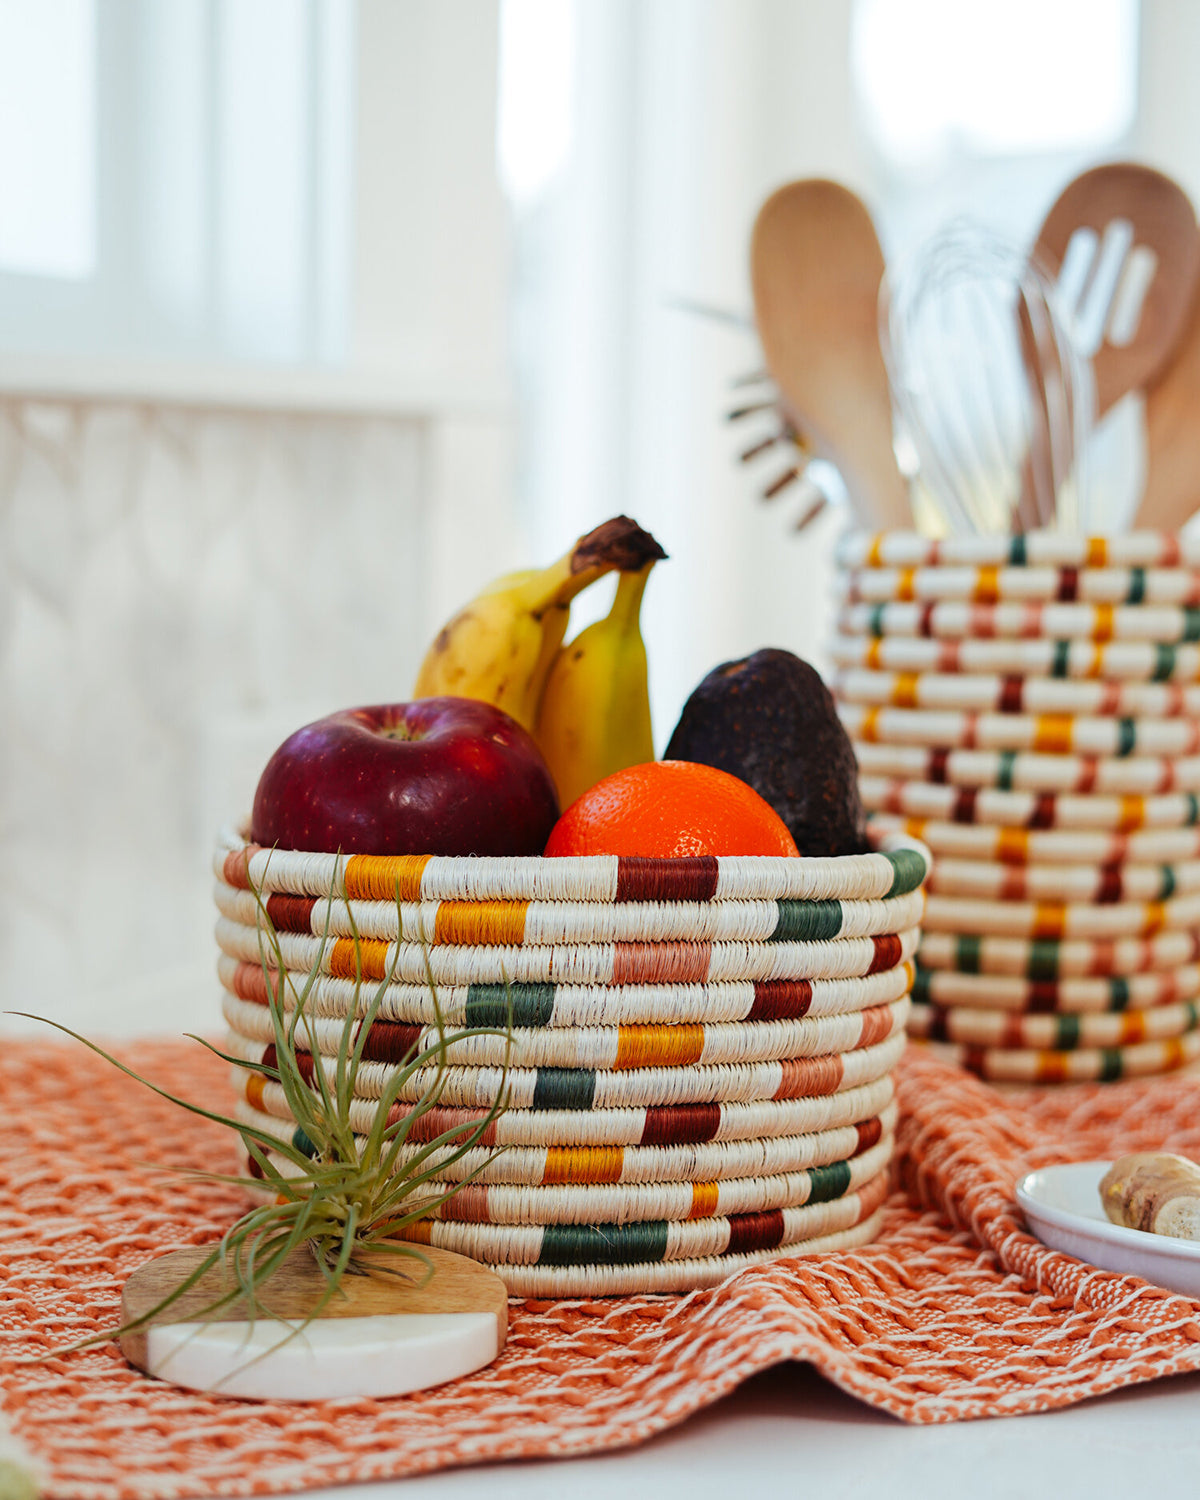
[{"x": 670, "y": 809}]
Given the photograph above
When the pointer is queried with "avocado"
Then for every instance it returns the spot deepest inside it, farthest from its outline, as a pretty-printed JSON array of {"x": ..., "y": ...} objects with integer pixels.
[{"x": 771, "y": 720}]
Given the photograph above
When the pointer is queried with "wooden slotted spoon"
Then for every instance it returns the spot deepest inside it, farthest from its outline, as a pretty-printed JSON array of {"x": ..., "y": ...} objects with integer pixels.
[{"x": 816, "y": 266}]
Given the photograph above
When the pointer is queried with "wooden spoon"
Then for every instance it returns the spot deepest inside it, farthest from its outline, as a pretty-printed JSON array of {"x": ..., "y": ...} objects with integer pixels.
[
  {"x": 815, "y": 267},
  {"x": 1172, "y": 489},
  {"x": 1114, "y": 219}
]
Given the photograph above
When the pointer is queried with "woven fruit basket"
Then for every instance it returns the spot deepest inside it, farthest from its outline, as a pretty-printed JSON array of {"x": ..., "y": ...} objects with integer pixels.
[
  {"x": 698, "y": 1072},
  {"x": 1028, "y": 706}
]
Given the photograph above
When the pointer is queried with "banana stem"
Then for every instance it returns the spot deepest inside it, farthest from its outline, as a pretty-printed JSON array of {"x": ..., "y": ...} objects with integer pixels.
[{"x": 627, "y": 602}]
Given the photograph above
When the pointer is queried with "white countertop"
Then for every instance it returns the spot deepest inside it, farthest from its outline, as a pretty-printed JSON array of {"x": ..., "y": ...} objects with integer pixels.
[{"x": 789, "y": 1432}]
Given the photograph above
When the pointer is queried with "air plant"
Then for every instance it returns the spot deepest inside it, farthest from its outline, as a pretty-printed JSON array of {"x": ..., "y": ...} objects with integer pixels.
[{"x": 344, "y": 1192}]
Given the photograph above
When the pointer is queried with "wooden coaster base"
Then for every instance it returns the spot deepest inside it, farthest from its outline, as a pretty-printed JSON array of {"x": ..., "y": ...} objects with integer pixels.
[{"x": 386, "y": 1335}]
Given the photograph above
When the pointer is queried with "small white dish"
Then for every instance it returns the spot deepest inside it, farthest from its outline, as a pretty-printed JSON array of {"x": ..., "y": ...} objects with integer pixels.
[{"x": 1062, "y": 1205}]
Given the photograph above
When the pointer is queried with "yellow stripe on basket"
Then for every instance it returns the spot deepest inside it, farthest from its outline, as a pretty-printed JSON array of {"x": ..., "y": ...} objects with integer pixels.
[
  {"x": 915, "y": 827},
  {"x": 904, "y": 693},
  {"x": 910, "y": 975},
  {"x": 1012, "y": 846},
  {"x": 1050, "y": 920},
  {"x": 255, "y": 1084},
  {"x": 373, "y": 954},
  {"x": 1132, "y": 815},
  {"x": 1052, "y": 734},
  {"x": 385, "y": 877},
  {"x": 905, "y": 591},
  {"x": 1156, "y": 918},
  {"x": 658, "y": 1046},
  {"x": 987, "y": 585},
  {"x": 1097, "y": 552},
  {"x": 704, "y": 1200},
  {"x": 489, "y": 923},
  {"x": 583, "y": 1164},
  {"x": 1105, "y": 622},
  {"x": 875, "y": 551}
]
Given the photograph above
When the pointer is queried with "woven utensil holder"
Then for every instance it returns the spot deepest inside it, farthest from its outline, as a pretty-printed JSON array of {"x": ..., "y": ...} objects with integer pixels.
[
  {"x": 1029, "y": 706},
  {"x": 701, "y": 1049}
]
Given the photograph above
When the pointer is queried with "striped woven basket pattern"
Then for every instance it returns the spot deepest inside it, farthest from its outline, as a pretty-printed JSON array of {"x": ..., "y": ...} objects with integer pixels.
[
  {"x": 1030, "y": 708},
  {"x": 698, "y": 1055}
]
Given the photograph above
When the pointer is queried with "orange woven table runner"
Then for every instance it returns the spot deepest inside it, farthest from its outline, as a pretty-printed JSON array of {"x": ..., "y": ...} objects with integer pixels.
[{"x": 955, "y": 1312}]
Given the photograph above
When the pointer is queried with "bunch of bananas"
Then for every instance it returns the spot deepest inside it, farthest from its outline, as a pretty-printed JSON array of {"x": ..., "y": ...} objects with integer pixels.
[{"x": 586, "y": 704}]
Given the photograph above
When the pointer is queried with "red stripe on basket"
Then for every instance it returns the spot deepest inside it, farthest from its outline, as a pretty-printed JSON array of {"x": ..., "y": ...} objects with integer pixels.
[
  {"x": 1043, "y": 996},
  {"x": 389, "y": 1041},
  {"x": 250, "y": 983},
  {"x": 1042, "y": 815},
  {"x": 437, "y": 1121},
  {"x": 1031, "y": 622},
  {"x": 963, "y": 810},
  {"x": 680, "y": 1124},
  {"x": 780, "y": 999},
  {"x": 1104, "y": 957},
  {"x": 304, "y": 1061},
  {"x": 1088, "y": 771},
  {"x": 925, "y": 621},
  {"x": 1169, "y": 556},
  {"x": 1110, "y": 698},
  {"x": 754, "y": 1232},
  {"x": 975, "y": 1059},
  {"x": 291, "y": 913},
  {"x": 1012, "y": 883},
  {"x": 661, "y": 963},
  {"x": 810, "y": 1075},
  {"x": 870, "y": 1133},
  {"x": 889, "y": 950},
  {"x": 1068, "y": 585},
  {"x": 872, "y": 1193},
  {"x": 236, "y": 868},
  {"x": 691, "y": 879},
  {"x": 939, "y": 761},
  {"x": 877, "y": 1023},
  {"x": 936, "y": 1029},
  {"x": 1109, "y": 886},
  {"x": 469, "y": 1205},
  {"x": 1012, "y": 690},
  {"x": 948, "y": 656},
  {"x": 1166, "y": 782}
]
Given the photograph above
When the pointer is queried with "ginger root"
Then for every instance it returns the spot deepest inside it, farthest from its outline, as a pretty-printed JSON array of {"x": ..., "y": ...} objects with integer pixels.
[{"x": 1156, "y": 1192}]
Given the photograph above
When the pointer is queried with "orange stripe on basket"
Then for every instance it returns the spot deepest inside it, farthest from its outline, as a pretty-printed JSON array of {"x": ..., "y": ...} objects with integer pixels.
[
  {"x": 255, "y": 1084},
  {"x": 420, "y": 1233},
  {"x": 1174, "y": 1054},
  {"x": 904, "y": 693},
  {"x": 1052, "y": 734},
  {"x": 915, "y": 827},
  {"x": 375, "y": 877},
  {"x": 875, "y": 551},
  {"x": 704, "y": 1200},
  {"x": 987, "y": 585},
  {"x": 869, "y": 728},
  {"x": 1105, "y": 624},
  {"x": 1133, "y": 813},
  {"x": 1133, "y": 1027},
  {"x": 877, "y": 1023},
  {"x": 809, "y": 1075},
  {"x": 658, "y": 1046},
  {"x": 874, "y": 653},
  {"x": 661, "y": 963},
  {"x": 1051, "y": 1067},
  {"x": 1012, "y": 884},
  {"x": 1096, "y": 669},
  {"x": 1050, "y": 920},
  {"x": 1096, "y": 555},
  {"x": 1155, "y": 920},
  {"x": 904, "y": 585},
  {"x": 372, "y": 952},
  {"x": 236, "y": 866},
  {"x": 1012, "y": 846},
  {"x": 490, "y": 923},
  {"x": 583, "y": 1164}
]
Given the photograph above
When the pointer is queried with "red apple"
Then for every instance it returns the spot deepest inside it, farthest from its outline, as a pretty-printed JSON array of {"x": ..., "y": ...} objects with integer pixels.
[{"x": 439, "y": 776}]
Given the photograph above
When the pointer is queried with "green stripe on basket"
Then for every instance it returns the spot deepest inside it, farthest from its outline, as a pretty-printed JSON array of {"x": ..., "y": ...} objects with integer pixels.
[
  {"x": 1004, "y": 771},
  {"x": 908, "y": 871},
  {"x": 1061, "y": 659},
  {"x": 1110, "y": 1065},
  {"x": 1016, "y": 551},
  {"x": 1118, "y": 993},
  {"x": 1191, "y": 623},
  {"x": 829, "y": 1182},
  {"x": 807, "y": 921},
  {"x": 922, "y": 986},
  {"x": 1166, "y": 888},
  {"x": 967, "y": 951},
  {"x": 532, "y": 1004},
  {"x": 875, "y": 620},
  {"x": 1137, "y": 586},
  {"x": 1042, "y": 962},
  {"x": 564, "y": 1088},
  {"x": 1126, "y": 736},
  {"x": 1066, "y": 1032},
  {"x": 302, "y": 1143},
  {"x": 1192, "y": 1010},
  {"x": 603, "y": 1244},
  {"x": 1164, "y": 662}
]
